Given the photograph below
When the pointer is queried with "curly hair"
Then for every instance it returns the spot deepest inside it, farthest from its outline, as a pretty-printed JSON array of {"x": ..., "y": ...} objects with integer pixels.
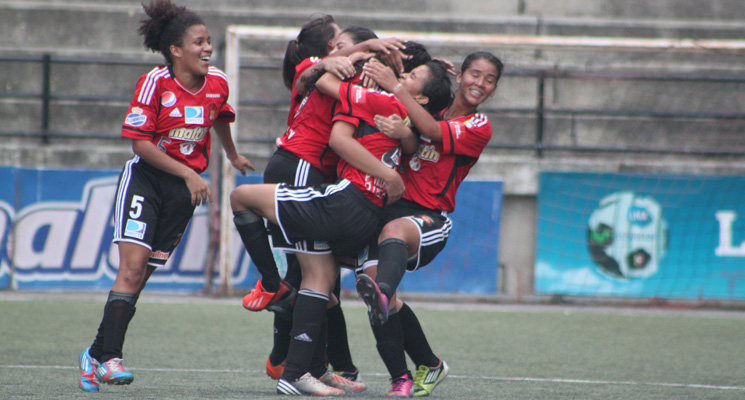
[{"x": 166, "y": 25}]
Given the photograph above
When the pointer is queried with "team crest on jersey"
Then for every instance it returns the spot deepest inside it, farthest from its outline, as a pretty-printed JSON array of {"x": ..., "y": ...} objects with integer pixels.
[
  {"x": 135, "y": 117},
  {"x": 187, "y": 148},
  {"x": 213, "y": 112},
  {"x": 135, "y": 229},
  {"x": 194, "y": 115},
  {"x": 168, "y": 99}
]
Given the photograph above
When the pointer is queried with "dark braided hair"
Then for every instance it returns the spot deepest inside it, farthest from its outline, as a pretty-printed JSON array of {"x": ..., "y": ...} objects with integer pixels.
[{"x": 167, "y": 24}]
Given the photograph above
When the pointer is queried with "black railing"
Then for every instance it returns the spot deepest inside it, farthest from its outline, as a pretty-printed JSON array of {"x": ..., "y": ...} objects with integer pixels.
[{"x": 540, "y": 111}]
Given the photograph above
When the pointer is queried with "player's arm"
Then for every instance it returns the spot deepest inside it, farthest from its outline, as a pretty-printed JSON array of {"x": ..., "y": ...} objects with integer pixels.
[
  {"x": 200, "y": 191},
  {"x": 342, "y": 67},
  {"x": 425, "y": 123},
  {"x": 329, "y": 85},
  {"x": 239, "y": 162},
  {"x": 342, "y": 141},
  {"x": 394, "y": 127}
]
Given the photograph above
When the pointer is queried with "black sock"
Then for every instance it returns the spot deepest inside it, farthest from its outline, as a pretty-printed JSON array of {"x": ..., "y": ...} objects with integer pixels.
[
  {"x": 338, "y": 343},
  {"x": 390, "y": 344},
  {"x": 282, "y": 327},
  {"x": 415, "y": 342},
  {"x": 392, "y": 259},
  {"x": 318, "y": 364},
  {"x": 255, "y": 239},
  {"x": 120, "y": 308},
  {"x": 310, "y": 309}
]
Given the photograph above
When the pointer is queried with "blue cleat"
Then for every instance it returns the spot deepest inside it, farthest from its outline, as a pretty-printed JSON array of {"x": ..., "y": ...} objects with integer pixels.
[
  {"x": 112, "y": 372},
  {"x": 88, "y": 365}
]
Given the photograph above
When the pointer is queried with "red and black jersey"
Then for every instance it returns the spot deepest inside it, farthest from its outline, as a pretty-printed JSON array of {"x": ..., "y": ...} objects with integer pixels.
[
  {"x": 296, "y": 100},
  {"x": 432, "y": 174},
  {"x": 176, "y": 120},
  {"x": 359, "y": 106},
  {"x": 308, "y": 135}
]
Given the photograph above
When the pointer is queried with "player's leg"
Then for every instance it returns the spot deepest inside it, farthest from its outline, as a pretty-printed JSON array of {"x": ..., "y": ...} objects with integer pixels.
[
  {"x": 251, "y": 204},
  {"x": 398, "y": 241},
  {"x": 339, "y": 355},
  {"x": 431, "y": 370},
  {"x": 319, "y": 273}
]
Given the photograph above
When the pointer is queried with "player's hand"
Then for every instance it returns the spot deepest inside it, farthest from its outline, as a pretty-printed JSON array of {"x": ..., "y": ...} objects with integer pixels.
[
  {"x": 394, "y": 188},
  {"x": 199, "y": 189},
  {"x": 341, "y": 67},
  {"x": 450, "y": 66},
  {"x": 381, "y": 74},
  {"x": 242, "y": 164},
  {"x": 389, "y": 51},
  {"x": 392, "y": 126}
]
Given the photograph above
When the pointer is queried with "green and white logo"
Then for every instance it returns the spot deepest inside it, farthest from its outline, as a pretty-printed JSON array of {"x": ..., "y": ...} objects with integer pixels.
[{"x": 627, "y": 235}]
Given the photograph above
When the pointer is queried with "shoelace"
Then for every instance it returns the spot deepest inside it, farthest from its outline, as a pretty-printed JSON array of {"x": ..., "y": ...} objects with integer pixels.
[
  {"x": 114, "y": 365},
  {"x": 398, "y": 384}
]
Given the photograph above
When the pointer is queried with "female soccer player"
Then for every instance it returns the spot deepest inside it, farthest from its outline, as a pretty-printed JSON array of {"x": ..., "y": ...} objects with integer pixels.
[
  {"x": 303, "y": 158},
  {"x": 417, "y": 227},
  {"x": 168, "y": 121},
  {"x": 344, "y": 214}
]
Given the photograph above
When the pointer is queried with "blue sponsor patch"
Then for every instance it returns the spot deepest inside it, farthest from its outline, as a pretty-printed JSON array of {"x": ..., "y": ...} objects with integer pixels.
[
  {"x": 135, "y": 119},
  {"x": 135, "y": 229},
  {"x": 194, "y": 114}
]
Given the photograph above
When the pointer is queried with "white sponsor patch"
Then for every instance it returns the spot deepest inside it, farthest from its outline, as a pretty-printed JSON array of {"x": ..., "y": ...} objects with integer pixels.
[
  {"x": 194, "y": 114},
  {"x": 135, "y": 119}
]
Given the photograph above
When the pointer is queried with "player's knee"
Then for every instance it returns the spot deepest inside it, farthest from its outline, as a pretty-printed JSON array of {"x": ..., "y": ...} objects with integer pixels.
[{"x": 393, "y": 230}]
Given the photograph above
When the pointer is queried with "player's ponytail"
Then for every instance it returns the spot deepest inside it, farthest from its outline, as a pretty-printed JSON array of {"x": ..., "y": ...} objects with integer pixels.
[{"x": 312, "y": 41}]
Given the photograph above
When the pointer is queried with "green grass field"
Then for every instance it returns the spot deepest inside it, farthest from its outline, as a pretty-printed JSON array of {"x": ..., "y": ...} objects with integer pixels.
[{"x": 184, "y": 347}]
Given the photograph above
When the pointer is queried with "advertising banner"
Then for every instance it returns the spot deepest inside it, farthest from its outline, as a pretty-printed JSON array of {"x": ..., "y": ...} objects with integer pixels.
[
  {"x": 641, "y": 235},
  {"x": 56, "y": 228}
]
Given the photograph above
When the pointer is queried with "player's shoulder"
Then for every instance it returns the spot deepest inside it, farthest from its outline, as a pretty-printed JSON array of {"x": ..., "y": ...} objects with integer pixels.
[
  {"x": 475, "y": 121},
  {"x": 150, "y": 82},
  {"x": 217, "y": 73}
]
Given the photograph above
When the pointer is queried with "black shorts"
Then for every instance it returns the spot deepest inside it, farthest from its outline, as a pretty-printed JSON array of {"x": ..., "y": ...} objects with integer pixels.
[
  {"x": 285, "y": 167},
  {"x": 335, "y": 213},
  {"x": 152, "y": 209},
  {"x": 434, "y": 229}
]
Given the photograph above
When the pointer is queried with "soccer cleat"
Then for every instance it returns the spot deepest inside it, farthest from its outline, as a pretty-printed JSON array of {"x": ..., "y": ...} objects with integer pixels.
[
  {"x": 112, "y": 372},
  {"x": 377, "y": 302},
  {"x": 88, "y": 365},
  {"x": 426, "y": 378},
  {"x": 340, "y": 382},
  {"x": 306, "y": 385},
  {"x": 401, "y": 386},
  {"x": 259, "y": 299},
  {"x": 354, "y": 376},
  {"x": 274, "y": 371}
]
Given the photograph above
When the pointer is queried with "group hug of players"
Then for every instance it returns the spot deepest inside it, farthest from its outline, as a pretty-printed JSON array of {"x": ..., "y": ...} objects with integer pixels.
[{"x": 364, "y": 177}]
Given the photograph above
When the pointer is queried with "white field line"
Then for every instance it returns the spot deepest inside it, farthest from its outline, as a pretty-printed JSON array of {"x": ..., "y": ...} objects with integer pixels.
[{"x": 493, "y": 378}]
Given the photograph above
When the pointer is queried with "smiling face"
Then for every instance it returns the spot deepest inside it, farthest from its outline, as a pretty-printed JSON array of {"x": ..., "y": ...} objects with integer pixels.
[
  {"x": 193, "y": 56},
  {"x": 478, "y": 82}
]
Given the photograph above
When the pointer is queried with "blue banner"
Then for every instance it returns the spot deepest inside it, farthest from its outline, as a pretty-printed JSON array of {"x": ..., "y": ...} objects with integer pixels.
[
  {"x": 641, "y": 235},
  {"x": 56, "y": 228}
]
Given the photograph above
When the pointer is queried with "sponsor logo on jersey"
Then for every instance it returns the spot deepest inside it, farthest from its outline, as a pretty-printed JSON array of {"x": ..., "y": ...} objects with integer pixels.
[
  {"x": 175, "y": 113},
  {"x": 135, "y": 118},
  {"x": 168, "y": 99},
  {"x": 160, "y": 255},
  {"x": 476, "y": 121},
  {"x": 428, "y": 152},
  {"x": 457, "y": 129},
  {"x": 213, "y": 95},
  {"x": 194, "y": 114},
  {"x": 358, "y": 94},
  {"x": 186, "y": 148},
  {"x": 135, "y": 229},
  {"x": 190, "y": 134}
]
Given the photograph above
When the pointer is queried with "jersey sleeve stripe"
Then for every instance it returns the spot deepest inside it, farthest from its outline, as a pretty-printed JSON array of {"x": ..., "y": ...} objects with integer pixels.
[
  {"x": 214, "y": 71},
  {"x": 129, "y": 128},
  {"x": 148, "y": 88}
]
